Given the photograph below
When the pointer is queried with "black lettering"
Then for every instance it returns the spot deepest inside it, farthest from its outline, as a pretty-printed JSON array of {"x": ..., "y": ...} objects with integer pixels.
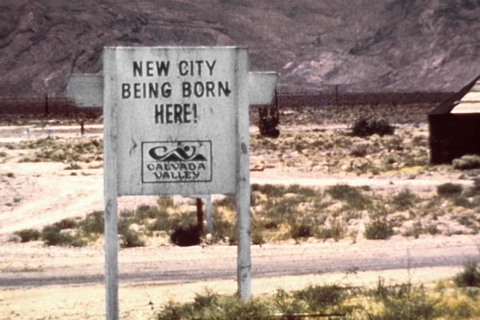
[
  {"x": 186, "y": 89},
  {"x": 158, "y": 175},
  {"x": 183, "y": 166},
  {"x": 183, "y": 68},
  {"x": 166, "y": 89},
  {"x": 210, "y": 87},
  {"x": 169, "y": 113},
  {"x": 149, "y": 68},
  {"x": 201, "y": 165},
  {"x": 137, "y": 68},
  {"x": 194, "y": 107},
  {"x": 151, "y": 166},
  {"x": 159, "y": 114},
  {"x": 186, "y": 113},
  {"x": 223, "y": 87},
  {"x": 126, "y": 90},
  {"x": 153, "y": 90},
  {"x": 136, "y": 90},
  {"x": 177, "y": 118},
  {"x": 199, "y": 65},
  {"x": 198, "y": 89},
  {"x": 163, "y": 68},
  {"x": 211, "y": 66}
]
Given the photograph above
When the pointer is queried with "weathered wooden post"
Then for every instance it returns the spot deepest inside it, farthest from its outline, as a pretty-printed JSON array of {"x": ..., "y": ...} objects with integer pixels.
[{"x": 176, "y": 121}]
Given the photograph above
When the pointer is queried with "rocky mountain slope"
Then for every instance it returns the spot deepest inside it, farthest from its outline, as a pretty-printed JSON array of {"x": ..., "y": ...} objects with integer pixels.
[{"x": 362, "y": 45}]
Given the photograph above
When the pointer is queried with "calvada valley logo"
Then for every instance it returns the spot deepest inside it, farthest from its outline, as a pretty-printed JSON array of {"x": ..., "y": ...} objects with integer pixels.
[{"x": 179, "y": 161}]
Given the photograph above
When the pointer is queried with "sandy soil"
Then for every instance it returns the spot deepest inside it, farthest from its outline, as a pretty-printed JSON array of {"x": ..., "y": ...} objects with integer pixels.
[{"x": 38, "y": 194}]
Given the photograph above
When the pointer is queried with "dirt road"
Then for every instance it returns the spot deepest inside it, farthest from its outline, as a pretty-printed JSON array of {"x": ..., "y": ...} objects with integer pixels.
[{"x": 62, "y": 266}]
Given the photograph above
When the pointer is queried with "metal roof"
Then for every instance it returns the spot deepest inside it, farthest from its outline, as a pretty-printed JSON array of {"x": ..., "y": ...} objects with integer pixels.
[
  {"x": 467, "y": 100},
  {"x": 470, "y": 103}
]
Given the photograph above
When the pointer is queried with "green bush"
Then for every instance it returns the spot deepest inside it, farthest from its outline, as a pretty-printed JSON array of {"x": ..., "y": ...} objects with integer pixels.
[
  {"x": 466, "y": 162},
  {"x": 449, "y": 189},
  {"x": 378, "y": 230},
  {"x": 469, "y": 276},
  {"x": 367, "y": 126},
  {"x": 28, "y": 235}
]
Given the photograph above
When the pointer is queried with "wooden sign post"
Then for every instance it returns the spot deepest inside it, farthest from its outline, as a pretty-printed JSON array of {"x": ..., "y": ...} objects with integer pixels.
[{"x": 176, "y": 121}]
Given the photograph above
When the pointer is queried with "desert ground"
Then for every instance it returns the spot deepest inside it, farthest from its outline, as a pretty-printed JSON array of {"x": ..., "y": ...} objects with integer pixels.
[{"x": 51, "y": 282}]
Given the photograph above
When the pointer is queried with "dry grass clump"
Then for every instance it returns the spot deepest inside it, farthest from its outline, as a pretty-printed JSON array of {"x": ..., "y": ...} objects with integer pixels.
[
  {"x": 54, "y": 149},
  {"x": 335, "y": 151},
  {"x": 337, "y": 301},
  {"x": 284, "y": 213},
  {"x": 467, "y": 162}
]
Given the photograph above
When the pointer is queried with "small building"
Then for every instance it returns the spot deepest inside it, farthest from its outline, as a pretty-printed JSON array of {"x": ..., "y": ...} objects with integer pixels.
[{"x": 455, "y": 125}]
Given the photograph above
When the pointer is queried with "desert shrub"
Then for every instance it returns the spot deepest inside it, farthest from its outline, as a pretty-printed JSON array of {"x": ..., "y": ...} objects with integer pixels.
[
  {"x": 221, "y": 307},
  {"x": 301, "y": 229},
  {"x": 257, "y": 233},
  {"x": 73, "y": 166},
  {"x": 161, "y": 222},
  {"x": 223, "y": 228},
  {"x": 367, "y": 126},
  {"x": 466, "y": 162},
  {"x": 404, "y": 200},
  {"x": 66, "y": 224},
  {"x": 320, "y": 298},
  {"x": 165, "y": 202},
  {"x": 349, "y": 194},
  {"x": 415, "y": 231},
  {"x": 359, "y": 150},
  {"x": 336, "y": 231},
  {"x": 269, "y": 190},
  {"x": 228, "y": 202},
  {"x": 449, "y": 189},
  {"x": 130, "y": 239},
  {"x": 149, "y": 212},
  {"x": 52, "y": 236},
  {"x": 28, "y": 235},
  {"x": 469, "y": 276},
  {"x": 93, "y": 224},
  {"x": 378, "y": 230},
  {"x": 404, "y": 301}
]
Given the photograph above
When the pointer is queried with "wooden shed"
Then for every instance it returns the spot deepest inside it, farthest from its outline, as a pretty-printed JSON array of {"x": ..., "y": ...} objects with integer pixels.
[{"x": 455, "y": 125}]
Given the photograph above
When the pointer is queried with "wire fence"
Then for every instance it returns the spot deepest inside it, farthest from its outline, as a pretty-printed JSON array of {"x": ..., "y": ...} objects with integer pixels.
[{"x": 64, "y": 106}]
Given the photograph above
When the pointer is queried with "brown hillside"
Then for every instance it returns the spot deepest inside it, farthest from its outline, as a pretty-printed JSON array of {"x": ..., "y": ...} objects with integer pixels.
[{"x": 386, "y": 45}]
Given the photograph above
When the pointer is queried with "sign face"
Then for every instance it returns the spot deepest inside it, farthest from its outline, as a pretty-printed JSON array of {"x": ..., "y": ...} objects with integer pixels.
[
  {"x": 176, "y": 111},
  {"x": 179, "y": 161}
]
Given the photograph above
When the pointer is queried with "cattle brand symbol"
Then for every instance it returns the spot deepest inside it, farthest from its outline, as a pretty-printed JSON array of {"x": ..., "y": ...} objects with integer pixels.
[{"x": 178, "y": 161}]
